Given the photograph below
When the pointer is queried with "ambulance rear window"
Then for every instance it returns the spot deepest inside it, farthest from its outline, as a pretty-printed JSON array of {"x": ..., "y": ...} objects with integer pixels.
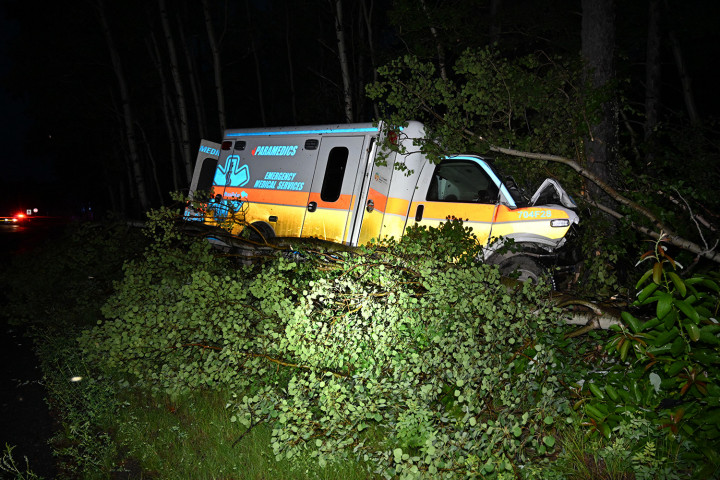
[
  {"x": 334, "y": 173},
  {"x": 207, "y": 174}
]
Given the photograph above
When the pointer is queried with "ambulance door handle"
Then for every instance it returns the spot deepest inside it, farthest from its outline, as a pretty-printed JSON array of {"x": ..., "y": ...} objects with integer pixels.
[
  {"x": 312, "y": 206},
  {"x": 370, "y": 206},
  {"x": 419, "y": 212}
]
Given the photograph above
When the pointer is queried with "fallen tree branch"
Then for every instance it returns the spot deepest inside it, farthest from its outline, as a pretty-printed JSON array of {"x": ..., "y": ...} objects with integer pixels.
[
  {"x": 675, "y": 240},
  {"x": 671, "y": 237}
]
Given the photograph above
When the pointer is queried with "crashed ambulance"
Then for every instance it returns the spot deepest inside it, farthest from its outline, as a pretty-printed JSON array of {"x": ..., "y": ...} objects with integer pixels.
[{"x": 323, "y": 182}]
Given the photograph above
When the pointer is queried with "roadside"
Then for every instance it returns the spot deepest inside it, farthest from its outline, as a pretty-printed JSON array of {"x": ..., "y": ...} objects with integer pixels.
[{"x": 25, "y": 421}]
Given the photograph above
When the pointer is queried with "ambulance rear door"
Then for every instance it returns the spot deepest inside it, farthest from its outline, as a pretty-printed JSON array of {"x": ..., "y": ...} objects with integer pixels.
[{"x": 336, "y": 188}]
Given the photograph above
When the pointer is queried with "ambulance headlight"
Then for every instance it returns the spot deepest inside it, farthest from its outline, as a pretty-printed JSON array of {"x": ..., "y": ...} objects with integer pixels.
[{"x": 560, "y": 222}]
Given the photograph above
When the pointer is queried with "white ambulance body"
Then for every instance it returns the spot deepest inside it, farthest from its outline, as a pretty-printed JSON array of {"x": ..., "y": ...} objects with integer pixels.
[{"x": 323, "y": 182}]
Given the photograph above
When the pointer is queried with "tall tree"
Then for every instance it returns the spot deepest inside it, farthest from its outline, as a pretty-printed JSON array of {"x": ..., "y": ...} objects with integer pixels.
[
  {"x": 686, "y": 81},
  {"x": 138, "y": 176},
  {"x": 598, "y": 47},
  {"x": 179, "y": 92},
  {"x": 217, "y": 70},
  {"x": 342, "y": 49},
  {"x": 652, "y": 71}
]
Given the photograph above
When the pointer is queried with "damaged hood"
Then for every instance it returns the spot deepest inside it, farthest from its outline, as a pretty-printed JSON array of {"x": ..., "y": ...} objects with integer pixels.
[{"x": 550, "y": 192}]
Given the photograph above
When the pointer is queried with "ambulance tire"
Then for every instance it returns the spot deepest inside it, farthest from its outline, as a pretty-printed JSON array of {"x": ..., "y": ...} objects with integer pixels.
[
  {"x": 525, "y": 269},
  {"x": 260, "y": 232}
]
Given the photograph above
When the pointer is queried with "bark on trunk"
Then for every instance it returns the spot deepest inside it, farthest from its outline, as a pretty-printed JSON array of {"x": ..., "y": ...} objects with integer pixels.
[
  {"x": 258, "y": 73},
  {"x": 367, "y": 14},
  {"x": 344, "y": 65},
  {"x": 168, "y": 113},
  {"x": 217, "y": 71},
  {"x": 438, "y": 45},
  {"x": 179, "y": 92},
  {"x": 137, "y": 176},
  {"x": 652, "y": 73},
  {"x": 598, "y": 44},
  {"x": 685, "y": 80},
  {"x": 291, "y": 70},
  {"x": 194, "y": 81}
]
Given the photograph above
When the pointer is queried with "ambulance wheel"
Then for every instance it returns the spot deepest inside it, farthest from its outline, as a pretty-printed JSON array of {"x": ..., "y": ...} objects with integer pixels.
[
  {"x": 525, "y": 269},
  {"x": 260, "y": 232}
]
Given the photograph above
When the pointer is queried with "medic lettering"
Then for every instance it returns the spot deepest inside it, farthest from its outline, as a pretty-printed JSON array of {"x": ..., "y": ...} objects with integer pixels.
[
  {"x": 275, "y": 150},
  {"x": 209, "y": 150},
  {"x": 279, "y": 181}
]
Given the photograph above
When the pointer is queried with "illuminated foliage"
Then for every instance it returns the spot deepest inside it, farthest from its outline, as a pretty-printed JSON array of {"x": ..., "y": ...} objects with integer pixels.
[{"x": 420, "y": 364}]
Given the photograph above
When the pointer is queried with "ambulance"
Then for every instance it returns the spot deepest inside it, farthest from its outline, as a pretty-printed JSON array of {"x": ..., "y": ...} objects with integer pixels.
[{"x": 326, "y": 182}]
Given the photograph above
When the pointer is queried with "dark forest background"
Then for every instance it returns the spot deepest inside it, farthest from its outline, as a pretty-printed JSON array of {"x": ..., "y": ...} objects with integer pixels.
[{"x": 115, "y": 96}]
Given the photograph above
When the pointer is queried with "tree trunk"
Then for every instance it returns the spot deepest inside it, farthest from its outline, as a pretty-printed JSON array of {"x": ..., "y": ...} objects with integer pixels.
[
  {"x": 137, "y": 177},
  {"x": 215, "y": 51},
  {"x": 652, "y": 74},
  {"x": 688, "y": 96},
  {"x": 181, "y": 104},
  {"x": 598, "y": 45},
  {"x": 344, "y": 64},
  {"x": 495, "y": 27},
  {"x": 168, "y": 114},
  {"x": 438, "y": 44},
  {"x": 291, "y": 70},
  {"x": 194, "y": 81},
  {"x": 367, "y": 13},
  {"x": 258, "y": 73}
]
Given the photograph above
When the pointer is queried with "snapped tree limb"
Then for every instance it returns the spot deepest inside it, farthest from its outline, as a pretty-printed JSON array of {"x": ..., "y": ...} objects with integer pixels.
[{"x": 671, "y": 237}]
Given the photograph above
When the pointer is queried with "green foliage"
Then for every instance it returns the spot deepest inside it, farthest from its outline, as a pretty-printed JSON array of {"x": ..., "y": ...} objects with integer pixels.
[
  {"x": 422, "y": 365},
  {"x": 667, "y": 373},
  {"x": 69, "y": 277},
  {"x": 601, "y": 274},
  {"x": 530, "y": 103},
  {"x": 9, "y": 465}
]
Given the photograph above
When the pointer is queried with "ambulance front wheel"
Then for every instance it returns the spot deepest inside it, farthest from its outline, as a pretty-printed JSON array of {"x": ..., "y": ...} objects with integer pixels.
[{"x": 525, "y": 269}]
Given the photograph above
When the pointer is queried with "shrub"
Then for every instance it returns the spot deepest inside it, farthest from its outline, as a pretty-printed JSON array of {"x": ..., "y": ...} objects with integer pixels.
[{"x": 409, "y": 355}]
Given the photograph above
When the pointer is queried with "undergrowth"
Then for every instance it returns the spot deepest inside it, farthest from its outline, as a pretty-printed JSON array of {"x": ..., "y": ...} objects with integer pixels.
[{"x": 404, "y": 359}]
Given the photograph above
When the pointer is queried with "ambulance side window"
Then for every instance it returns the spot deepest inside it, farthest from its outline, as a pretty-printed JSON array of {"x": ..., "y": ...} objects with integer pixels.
[
  {"x": 334, "y": 173},
  {"x": 461, "y": 181},
  {"x": 207, "y": 175}
]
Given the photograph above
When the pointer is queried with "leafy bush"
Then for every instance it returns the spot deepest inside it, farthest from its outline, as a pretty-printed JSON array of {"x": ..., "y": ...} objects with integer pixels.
[
  {"x": 410, "y": 355},
  {"x": 667, "y": 374}
]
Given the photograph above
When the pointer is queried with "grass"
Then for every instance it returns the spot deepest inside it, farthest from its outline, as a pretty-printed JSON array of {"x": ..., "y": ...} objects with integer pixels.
[{"x": 193, "y": 437}]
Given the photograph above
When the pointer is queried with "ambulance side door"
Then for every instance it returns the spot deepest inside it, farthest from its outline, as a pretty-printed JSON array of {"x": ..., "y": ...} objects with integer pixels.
[
  {"x": 456, "y": 188},
  {"x": 334, "y": 193}
]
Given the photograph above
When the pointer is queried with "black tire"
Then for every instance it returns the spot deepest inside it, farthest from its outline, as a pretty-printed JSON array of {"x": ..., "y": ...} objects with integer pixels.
[
  {"x": 260, "y": 232},
  {"x": 525, "y": 269}
]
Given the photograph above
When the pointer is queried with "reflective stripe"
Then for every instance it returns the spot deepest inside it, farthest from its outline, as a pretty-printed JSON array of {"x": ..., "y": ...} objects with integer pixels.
[{"x": 304, "y": 132}]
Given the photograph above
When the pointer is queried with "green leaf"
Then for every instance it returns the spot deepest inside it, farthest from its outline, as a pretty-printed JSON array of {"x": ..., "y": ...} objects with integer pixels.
[
  {"x": 664, "y": 304},
  {"x": 679, "y": 284},
  {"x": 549, "y": 441},
  {"x": 642, "y": 280},
  {"x": 687, "y": 309},
  {"x": 657, "y": 273},
  {"x": 632, "y": 322},
  {"x": 647, "y": 291},
  {"x": 693, "y": 331}
]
